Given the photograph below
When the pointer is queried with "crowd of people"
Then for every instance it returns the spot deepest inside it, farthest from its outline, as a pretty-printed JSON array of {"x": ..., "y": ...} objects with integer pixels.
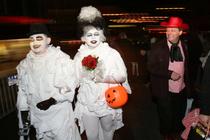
[{"x": 49, "y": 80}]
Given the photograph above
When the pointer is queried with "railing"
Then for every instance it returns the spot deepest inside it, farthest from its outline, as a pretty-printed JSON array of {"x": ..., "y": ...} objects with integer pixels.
[{"x": 8, "y": 92}]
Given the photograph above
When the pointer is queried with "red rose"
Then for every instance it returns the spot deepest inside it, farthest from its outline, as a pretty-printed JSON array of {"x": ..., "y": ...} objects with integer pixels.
[{"x": 90, "y": 62}]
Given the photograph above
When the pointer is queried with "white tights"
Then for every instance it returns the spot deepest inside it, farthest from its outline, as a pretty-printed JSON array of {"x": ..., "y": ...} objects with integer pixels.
[{"x": 93, "y": 124}]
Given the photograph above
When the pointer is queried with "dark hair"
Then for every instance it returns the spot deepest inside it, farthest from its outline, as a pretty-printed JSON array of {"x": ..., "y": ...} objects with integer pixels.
[{"x": 98, "y": 23}]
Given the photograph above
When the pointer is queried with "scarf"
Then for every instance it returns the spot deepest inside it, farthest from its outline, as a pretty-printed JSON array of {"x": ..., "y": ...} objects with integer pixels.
[{"x": 175, "y": 52}]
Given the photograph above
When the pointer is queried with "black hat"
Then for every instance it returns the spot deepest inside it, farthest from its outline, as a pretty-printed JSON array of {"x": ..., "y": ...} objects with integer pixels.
[{"x": 38, "y": 28}]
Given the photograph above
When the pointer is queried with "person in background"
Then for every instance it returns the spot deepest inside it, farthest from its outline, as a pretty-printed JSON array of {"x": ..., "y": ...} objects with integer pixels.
[
  {"x": 204, "y": 96},
  {"x": 202, "y": 100},
  {"x": 167, "y": 64},
  {"x": 46, "y": 85},
  {"x": 129, "y": 53},
  {"x": 106, "y": 69}
]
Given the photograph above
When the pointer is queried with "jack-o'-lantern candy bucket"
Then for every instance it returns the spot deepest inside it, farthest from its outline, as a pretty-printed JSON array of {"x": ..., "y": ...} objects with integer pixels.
[{"x": 116, "y": 96}]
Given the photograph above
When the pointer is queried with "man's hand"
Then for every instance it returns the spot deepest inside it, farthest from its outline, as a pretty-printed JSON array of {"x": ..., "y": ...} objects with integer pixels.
[
  {"x": 99, "y": 72},
  {"x": 44, "y": 105},
  {"x": 175, "y": 76},
  {"x": 98, "y": 77},
  {"x": 205, "y": 120}
]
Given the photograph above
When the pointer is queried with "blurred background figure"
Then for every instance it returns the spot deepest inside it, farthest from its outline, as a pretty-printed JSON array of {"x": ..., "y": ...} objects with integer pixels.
[
  {"x": 129, "y": 53},
  {"x": 201, "y": 120}
]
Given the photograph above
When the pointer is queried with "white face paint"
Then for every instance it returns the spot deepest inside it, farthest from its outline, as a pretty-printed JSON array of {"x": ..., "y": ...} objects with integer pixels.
[
  {"x": 92, "y": 36},
  {"x": 39, "y": 43}
]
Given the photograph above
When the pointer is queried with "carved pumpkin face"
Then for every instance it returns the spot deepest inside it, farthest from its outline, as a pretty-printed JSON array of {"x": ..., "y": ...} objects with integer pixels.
[{"x": 116, "y": 96}]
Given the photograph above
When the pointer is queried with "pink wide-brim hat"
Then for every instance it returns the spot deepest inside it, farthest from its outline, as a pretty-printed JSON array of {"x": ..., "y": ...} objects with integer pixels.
[{"x": 175, "y": 22}]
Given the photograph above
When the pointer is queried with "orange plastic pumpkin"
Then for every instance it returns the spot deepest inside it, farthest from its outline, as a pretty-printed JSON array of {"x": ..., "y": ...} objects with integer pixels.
[{"x": 116, "y": 96}]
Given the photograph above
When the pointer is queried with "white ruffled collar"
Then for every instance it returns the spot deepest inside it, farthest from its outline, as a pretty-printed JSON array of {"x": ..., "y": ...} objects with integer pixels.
[
  {"x": 50, "y": 51},
  {"x": 85, "y": 49}
]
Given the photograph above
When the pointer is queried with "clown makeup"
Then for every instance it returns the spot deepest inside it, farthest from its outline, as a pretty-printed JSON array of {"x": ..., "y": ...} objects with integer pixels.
[
  {"x": 172, "y": 34},
  {"x": 93, "y": 36},
  {"x": 39, "y": 43}
]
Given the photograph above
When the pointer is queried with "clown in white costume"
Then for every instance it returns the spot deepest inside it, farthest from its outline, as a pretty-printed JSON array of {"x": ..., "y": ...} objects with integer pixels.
[
  {"x": 46, "y": 89},
  {"x": 94, "y": 115}
]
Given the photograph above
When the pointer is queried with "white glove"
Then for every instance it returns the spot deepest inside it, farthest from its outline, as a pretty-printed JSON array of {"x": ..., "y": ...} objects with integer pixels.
[
  {"x": 99, "y": 72},
  {"x": 87, "y": 74}
]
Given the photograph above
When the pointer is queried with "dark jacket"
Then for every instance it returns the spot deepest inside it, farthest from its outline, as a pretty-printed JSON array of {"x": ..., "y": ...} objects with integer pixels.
[
  {"x": 158, "y": 63},
  {"x": 204, "y": 95}
]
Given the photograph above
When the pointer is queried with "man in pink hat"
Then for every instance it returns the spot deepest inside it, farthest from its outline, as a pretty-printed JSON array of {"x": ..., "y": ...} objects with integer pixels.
[{"x": 167, "y": 64}]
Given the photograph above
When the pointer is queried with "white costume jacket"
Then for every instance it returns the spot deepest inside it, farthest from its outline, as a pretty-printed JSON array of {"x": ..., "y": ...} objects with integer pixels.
[
  {"x": 91, "y": 95},
  {"x": 40, "y": 78}
]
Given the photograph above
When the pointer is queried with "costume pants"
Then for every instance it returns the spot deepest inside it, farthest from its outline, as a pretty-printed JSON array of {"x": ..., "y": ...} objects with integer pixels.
[
  {"x": 178, "y": 109},
  {"x": 64, "y": 133},
  {"x": 94, "y": 126},
  {"x": 171, "y": 110}
]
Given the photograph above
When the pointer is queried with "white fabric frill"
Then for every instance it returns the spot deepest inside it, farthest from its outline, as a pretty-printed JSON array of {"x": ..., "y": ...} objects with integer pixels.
[{"x": 42, "y": 77}]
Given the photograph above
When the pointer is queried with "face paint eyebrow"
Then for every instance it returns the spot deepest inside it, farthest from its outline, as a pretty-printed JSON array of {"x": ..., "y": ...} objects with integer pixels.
[
  {"x": 89, "y": 34},
  {"x": 96, "y": 33},
  {"x": 93, "y": 34},
  {"x": 39, "y": 38},
  {"x": 36, "y": 38}
]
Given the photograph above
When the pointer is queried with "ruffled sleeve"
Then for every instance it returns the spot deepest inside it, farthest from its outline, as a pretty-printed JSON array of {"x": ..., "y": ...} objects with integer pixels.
[
  {"x": 77, "y": 68},
  {"x": 22, "y": 86},
  {"x": 115, "y": 70},
  {"x": 64, "y": 78}
]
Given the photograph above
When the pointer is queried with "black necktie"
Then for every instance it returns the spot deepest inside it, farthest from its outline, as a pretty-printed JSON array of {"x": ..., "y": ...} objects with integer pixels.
[{"x": 175, "y": 53}]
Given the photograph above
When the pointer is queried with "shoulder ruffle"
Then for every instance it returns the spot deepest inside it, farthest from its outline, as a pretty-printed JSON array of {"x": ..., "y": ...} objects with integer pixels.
[{"x": 21, "y": 67}]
